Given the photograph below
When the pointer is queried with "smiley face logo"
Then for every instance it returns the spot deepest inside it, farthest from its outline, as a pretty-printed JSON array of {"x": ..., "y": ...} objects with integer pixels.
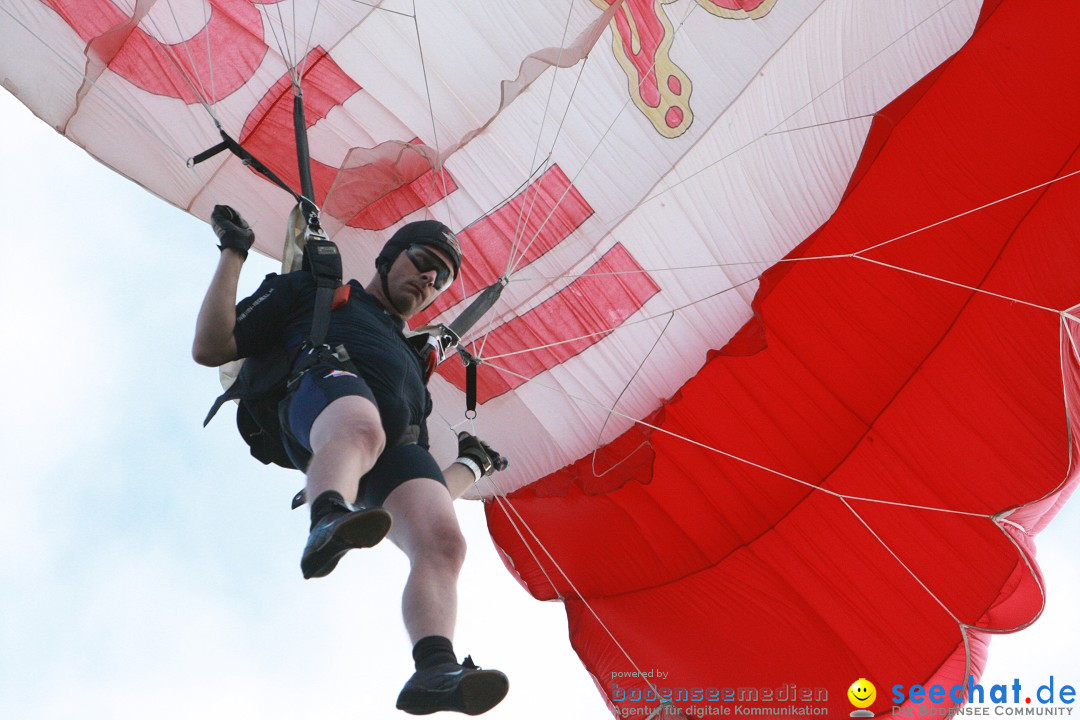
[{"x": 862, "y": 693}]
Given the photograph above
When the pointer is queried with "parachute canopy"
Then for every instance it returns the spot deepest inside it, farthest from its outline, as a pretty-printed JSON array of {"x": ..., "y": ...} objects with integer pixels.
[{"x": 784, "y": 361}]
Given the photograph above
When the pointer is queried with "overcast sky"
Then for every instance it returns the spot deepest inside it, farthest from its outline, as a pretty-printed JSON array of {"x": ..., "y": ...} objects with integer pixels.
[{"x": 151, "y": 569}]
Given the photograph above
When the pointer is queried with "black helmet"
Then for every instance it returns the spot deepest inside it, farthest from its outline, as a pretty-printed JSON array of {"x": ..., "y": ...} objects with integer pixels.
[{"x": 422, "y": 232}]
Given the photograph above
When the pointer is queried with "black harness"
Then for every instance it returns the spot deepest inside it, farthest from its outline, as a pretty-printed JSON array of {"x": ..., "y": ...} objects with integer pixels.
[{"x": 266, "y": 380}]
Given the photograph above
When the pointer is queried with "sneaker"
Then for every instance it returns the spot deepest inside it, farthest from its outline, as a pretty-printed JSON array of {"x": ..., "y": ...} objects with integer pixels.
[
  {"x": 461, "y": 688},
  {"x": 339, "y": 532}
]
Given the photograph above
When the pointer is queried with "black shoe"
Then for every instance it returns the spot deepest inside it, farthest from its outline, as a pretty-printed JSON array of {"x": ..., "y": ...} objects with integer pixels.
[
  {"x": 461, "y": 688},
  {"x": 339, "y": 532}
]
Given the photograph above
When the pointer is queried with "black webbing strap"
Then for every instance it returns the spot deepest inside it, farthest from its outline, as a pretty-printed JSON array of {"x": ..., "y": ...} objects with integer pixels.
[
  {"x": 323, "y": 260},
  {"x": 461, "y": 325},
  {"x": 470, "y": 388},
  {"x": 227, "y": 143},
  {"x": 471, "y": 364},
  {"x": 477, "y": 309}
]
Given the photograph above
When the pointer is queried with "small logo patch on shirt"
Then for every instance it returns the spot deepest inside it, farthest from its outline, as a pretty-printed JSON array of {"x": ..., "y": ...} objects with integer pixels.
[{"x": 338, "y": 373}]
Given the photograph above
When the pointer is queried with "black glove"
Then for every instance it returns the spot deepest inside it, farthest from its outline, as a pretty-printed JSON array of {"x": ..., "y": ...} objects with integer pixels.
[
  {"x": 473, "y": 448},
  {"x": 232, "y": 230}
]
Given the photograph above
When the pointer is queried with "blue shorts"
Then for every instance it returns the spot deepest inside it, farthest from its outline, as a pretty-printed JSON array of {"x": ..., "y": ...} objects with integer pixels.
[{"x": 402, "y": 459}]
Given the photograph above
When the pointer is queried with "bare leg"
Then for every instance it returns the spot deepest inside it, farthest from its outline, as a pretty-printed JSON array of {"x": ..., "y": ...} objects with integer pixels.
[
  {"x": 346, "y": 440},
  {"x": 426, "y": 529}
]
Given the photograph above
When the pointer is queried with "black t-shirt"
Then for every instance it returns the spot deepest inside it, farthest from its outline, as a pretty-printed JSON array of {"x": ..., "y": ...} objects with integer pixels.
[{"x": 279, "y": 313}]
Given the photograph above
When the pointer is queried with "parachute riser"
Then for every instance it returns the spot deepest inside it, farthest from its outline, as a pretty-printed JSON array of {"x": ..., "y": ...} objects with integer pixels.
[
  {"x": 303, "y": 161},
  {"x": 313, "y": 234},
  {"x": 304, "y": 198}
]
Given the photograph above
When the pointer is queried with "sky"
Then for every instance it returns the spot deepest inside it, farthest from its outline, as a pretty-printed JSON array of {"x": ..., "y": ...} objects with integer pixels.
[{"x": 151, "y": 568}]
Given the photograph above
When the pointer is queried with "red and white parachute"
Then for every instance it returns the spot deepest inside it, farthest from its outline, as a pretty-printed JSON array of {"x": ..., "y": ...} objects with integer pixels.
[{"x": 785, "y": 360}]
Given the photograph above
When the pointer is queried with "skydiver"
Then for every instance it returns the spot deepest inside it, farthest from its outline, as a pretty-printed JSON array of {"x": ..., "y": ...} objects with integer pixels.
[{"x": 359, "y": 433}]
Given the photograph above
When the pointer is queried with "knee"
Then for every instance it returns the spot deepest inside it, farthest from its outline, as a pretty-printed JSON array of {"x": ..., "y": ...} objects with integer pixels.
[
  {"x": 359, "y": 433},
  {"x": 443, "y": 544}
]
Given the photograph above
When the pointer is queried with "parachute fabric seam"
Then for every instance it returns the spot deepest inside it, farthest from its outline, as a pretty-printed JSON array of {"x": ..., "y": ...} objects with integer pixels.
[
  {"x": 509, "y": 93},
  {"x": 537, "y": 172},
  {"x": 683, "y": 268},
  {"x": 862, "y": 64},
  {"x": 1001, "y": 519},
  {"x": 870, "y": 422}
]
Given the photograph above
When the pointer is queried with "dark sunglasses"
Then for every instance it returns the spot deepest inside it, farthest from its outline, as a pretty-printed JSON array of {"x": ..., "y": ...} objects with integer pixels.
[{"x": 426, "y": 261}]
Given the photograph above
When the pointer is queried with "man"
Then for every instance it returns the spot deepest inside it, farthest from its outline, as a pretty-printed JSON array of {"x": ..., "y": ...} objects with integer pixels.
[{"x": 358, "y": 430}]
